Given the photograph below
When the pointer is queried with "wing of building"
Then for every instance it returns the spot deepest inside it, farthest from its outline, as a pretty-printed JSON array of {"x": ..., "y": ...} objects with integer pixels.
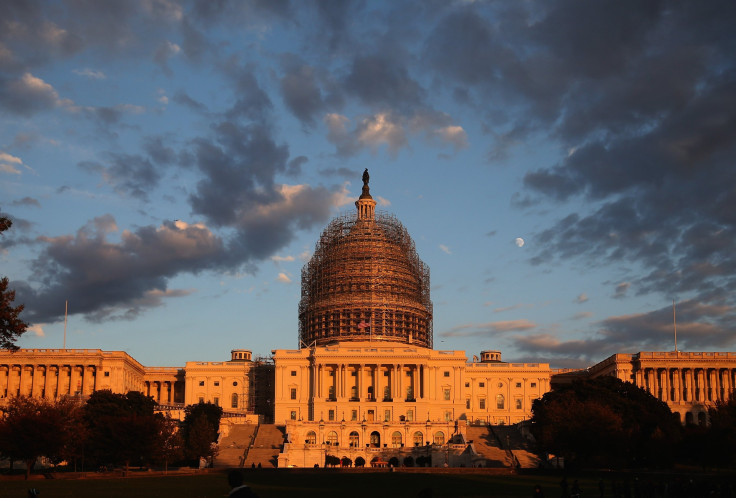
[{"x": 365, "y": 382}]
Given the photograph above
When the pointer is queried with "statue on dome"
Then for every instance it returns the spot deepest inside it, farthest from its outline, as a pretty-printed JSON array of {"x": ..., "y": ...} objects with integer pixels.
[{"x": 366, "y": 177}]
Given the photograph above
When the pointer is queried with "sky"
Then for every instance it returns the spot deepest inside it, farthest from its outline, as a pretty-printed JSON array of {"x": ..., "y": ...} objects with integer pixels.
[{"x": 566, "y": 169}]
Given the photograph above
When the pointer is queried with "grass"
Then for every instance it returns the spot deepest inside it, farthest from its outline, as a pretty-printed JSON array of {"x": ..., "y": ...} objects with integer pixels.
[{"x": 302, "y": 483}]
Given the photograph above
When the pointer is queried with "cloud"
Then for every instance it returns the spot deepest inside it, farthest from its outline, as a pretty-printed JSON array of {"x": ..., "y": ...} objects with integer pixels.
[
  {"x": 107, "y": 280},
  {"x": 489, "y": 329},
  {"x": 284, "y": 278},
  {"x": 37, "y": 330},
  {"x": 582, "y": 314},
  {"x": 90, "y": 73},
  {"x": 582, "y": 298},
  {"x": 282, "y": 259},
  {"x": 28, "y": 94},
  {"x": 26, "y": 201},
  {"x": 621, "y": 290},
  {"x": 9, "y": 164},
  {"x": 165, "y": 51},
  {"x": 445, "y": 249}
]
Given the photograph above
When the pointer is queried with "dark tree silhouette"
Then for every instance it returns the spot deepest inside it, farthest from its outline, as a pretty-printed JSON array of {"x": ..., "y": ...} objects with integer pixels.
[
  {"x": 11, "y": 326},
  {"x": 122, "y": 428},
  {"x": 607, "y": 422},
  {"x": 200, "y": 429},
  {"x": 31, "y": 428}
]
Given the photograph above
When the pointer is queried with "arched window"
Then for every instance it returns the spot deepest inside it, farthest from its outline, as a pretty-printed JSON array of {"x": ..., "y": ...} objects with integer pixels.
[
  {"x": 439, "y": 437},
  {"x": 332, "y": 438},
  {"x": 500, "y": 402},
  {"x": 418, "y": 439},
  {"x": 234, "y": 400},
  {"x": 396, "y": 440},
  {"x": 311, "y": 437},
  {"x": 354, "y": 439},
  {"x": 375, "y": 439},
  {"x": 701, "y": 419},
  {"x": 689, "y": 418}
]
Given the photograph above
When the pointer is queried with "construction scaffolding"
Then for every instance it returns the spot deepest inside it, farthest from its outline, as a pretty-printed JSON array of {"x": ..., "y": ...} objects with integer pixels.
[{"x": 365, "y": 282}]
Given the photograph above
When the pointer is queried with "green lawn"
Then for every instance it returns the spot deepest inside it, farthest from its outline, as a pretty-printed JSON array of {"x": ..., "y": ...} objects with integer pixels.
[{"x": 324, "y": 483}]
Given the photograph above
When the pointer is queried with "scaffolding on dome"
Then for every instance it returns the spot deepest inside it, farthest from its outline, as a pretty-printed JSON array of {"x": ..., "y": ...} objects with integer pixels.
[{"x": 365, "y": 282}]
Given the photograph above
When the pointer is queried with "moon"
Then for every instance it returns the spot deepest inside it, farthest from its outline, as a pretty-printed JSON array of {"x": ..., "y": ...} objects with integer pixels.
[{"x": 519, "y": 242}]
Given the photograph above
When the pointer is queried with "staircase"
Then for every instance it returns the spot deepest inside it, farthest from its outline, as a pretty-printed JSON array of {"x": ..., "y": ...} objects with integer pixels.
[
  {"x": 487, "y": 446},
  {"x": 267, "y": 446},
  {"x": 233, "y": 446},
  {"x": 521, "y": 447}
]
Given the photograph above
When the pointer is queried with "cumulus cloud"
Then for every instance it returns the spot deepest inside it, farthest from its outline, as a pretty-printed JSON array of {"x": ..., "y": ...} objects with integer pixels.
[
  {"x": 284, "y": 278},
  {"x": 29, "y": 94},
  {"x": 115, "y": 280}
]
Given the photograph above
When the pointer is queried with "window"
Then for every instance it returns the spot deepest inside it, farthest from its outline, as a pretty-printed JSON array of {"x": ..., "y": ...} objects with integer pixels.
[
  {"x": 375, "y": 439},
  {"x": 201, "y": 399},
  {"x": 217, "y": 401},
  {"x": 201, "y": 382},
  {"x": 234, "y": 401},
  {"x": 331, "y": 392},
  {"x": 518, "y": 404},
  {"x": 446, "y": 373},
  {"x": 107, "y": 374},
  {"x": 292, "y": 393},
  {"x": 235, "y": 384},
  {"x": 447, "y": 393},
  {"x": 331, "y": 415},
  {"x": 370, "y": 415},
  {"x": 396, "y": 440},
  {"x": 481, "y": 384},
  {"x": 467, "y": 404},
  {"x": 409, "y": 415},
  {"x": 500, "y": 401},
  {"x": 518, "y": 384},
  {"x": 482, "y": 403},
  {"x": 418, "y": 439},
  {"x": 292, "y": 415},
  {"x": 467, "y": 384},
  {"x": 448, "y": 416},
  {"x": 534, "y": 384},
  {"x": 354, "y": 415},
  {"x": 293, "y": 373},
  {"x": 332, "y": 438},
  {"x": 354, "y": 438},
  {"x": 387, "y": 415},
  {"x": 500, "y": 385},
  {"x": 217, "y": 383},
  {"x": 439, "y": 437},
  {"x": 354, "y": 392},
  {"x": 311, "y": 438},
  {"x": 386, "y": 393}
]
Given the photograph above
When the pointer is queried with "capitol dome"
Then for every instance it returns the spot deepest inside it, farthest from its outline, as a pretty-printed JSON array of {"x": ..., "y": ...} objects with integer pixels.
[{"x": 365, "y": 282}]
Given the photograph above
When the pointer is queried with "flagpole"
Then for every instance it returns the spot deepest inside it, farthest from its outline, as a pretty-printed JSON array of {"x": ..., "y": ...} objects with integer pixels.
[
  {"x": 674, "y": 321},
  {"x": 66, "y": 311}
]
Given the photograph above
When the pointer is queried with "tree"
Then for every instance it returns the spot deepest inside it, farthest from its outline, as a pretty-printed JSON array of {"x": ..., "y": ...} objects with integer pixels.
[
  {"x": 31, "y": 428},
  {"x": 200, "y": 429},
  {"x": 170, "y": 445},
  {"x": 606, "y": 422},
  {"x": 122, "y": 428},
  {"x": 11, "y": 326}
]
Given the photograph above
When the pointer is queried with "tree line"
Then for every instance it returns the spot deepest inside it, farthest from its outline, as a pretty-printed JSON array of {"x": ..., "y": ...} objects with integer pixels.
[
  {"x": 108, "y": 430},
  {"x": 607, "y": 423}
]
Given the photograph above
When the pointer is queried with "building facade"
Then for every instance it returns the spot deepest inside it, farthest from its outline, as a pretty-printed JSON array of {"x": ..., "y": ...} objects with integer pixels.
[{"x": 365, "y": 382}]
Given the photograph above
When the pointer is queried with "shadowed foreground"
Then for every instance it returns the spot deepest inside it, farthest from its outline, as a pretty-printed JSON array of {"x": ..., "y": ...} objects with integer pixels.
[{"x": 324, "y": 483}]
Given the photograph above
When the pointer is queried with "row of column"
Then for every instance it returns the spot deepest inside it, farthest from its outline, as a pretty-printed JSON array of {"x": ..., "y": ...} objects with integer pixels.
[
  {"x": 336, "y": 381},
  {"x": 688, "y": 384},
  {"x": 47, "y": 381},
  {"x": 162, "y": 392}
]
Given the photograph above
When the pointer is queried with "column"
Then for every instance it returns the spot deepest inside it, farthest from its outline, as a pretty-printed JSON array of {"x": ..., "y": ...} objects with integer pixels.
[
  {"x": 691, "y": 385},
  {"x": 663, "y": 385},
  {"x": 401, "y": 395},
  {"x": 377, "y": 388},
  {"x": 4, "y": 377}
]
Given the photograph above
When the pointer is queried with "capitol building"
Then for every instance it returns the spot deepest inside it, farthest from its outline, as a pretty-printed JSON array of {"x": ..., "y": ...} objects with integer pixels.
[{"x": 366, "y": 382}]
